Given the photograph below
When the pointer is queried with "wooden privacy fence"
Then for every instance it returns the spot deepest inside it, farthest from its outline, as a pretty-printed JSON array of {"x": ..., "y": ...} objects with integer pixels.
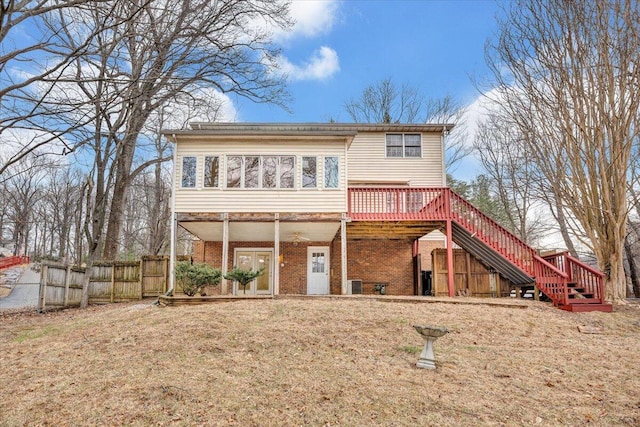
[
  {"x": 112, "y": 281},
  {"x": 470, "y": 276}
]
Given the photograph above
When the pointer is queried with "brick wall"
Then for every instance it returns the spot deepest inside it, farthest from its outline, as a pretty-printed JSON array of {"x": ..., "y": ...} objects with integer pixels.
[
  {"x": 293, "y": 274},
  {"x": 382, "y": 261},
  {"x": 372, "y": 261},
  {"x": 425, "y": 248}
]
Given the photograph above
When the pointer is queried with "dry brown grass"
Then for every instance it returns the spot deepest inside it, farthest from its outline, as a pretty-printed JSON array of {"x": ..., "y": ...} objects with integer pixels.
[{"x": 318, "y": 363}]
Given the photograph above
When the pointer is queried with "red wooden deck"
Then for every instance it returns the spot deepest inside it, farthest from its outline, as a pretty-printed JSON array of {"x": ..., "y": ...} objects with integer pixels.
[{"x": 565, "y": 280}]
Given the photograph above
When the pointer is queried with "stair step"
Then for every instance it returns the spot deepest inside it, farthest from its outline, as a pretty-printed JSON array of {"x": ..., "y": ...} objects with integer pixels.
[
  {"x": 582, "y": 308},
  {"x": 579, "y": 295},
  {"x": 584, "y": 301}
]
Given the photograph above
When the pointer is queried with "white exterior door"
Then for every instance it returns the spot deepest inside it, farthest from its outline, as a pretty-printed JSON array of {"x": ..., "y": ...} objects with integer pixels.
[{"x": 318, "y": 270}]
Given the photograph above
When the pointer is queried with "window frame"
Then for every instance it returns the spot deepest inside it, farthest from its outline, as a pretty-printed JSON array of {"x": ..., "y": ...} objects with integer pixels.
[
  {"x": 216, "y": 179},
  {"x": 261, "y": 171},
  {"x": 404, "y": 146},
  {"x": 325, "y": 175},
  {"x": 195, "y": 173},
  {"x": 316, "y": 175}
]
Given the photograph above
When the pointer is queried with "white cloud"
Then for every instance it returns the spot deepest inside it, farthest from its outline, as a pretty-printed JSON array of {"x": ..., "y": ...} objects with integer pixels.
[
  {"x": 321, "y": 65},
  {"x": 311, "y": 18}
]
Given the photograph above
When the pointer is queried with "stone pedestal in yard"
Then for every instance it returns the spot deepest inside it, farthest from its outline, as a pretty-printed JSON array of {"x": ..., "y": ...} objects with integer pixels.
[{"x": 430, "y": 334}]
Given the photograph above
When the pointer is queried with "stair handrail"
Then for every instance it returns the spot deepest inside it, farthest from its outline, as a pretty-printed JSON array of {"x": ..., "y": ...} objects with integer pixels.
[
  {"x": 571, "y": 261},
  {"x": 551, "y": 293},
  {"x": 538, "y": 263},
  {"x": 499, "y": 228}
]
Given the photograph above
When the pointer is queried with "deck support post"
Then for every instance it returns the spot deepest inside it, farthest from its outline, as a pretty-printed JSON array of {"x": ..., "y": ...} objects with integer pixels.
[
  {"x": 276, "y": 255},
  {"x": 450, "y": 272},
  {"x": 343, "y": 256},
  {"x": 225, "y": 252}
]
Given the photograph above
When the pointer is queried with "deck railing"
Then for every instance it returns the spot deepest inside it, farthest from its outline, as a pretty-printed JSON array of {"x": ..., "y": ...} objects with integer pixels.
[
  {"x": 374, "y": 204},
  {"x": 438, "y": 204},
  {"x": 492, "y": 234},
  {"x": 443, "y": 204},
  {"x": 584, "y": 276},
  {"x": 13, "y": 260}
]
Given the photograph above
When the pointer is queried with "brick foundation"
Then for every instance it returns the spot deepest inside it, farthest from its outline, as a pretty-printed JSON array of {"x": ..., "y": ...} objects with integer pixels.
[
  {"x": 381, "y": 261},
  {"x": 373, "y": 261}
]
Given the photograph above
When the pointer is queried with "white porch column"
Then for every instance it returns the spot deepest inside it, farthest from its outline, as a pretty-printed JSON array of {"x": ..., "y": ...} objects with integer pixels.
[
  {"x": 225, "y": 252},
  {"x": 343, "y": 247},
  {"x": 276, "y": 255},
  {"x": 172, "y": 252}
]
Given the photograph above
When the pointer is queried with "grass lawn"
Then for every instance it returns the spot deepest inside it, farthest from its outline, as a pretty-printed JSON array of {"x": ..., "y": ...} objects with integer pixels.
[{"x": 319, "y": 363}]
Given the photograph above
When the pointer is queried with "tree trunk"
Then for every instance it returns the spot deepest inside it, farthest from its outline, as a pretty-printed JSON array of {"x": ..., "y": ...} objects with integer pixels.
[
  {"x": 564, "y": 231},
  {"x": 633, "y": 272},
  {"x": 615, "y": 287},
  {"x": 121, "y": 186}
]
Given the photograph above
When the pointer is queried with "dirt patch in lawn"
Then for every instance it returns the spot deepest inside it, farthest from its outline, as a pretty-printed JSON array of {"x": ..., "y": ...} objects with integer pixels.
[{"x": 319, "y": 362}]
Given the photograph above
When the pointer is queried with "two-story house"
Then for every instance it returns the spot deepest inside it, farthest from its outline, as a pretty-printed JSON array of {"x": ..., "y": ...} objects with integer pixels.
[{"x": 334, "y": 208}]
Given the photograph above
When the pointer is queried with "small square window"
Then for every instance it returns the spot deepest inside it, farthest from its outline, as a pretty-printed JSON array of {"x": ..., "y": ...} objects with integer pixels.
[
  {"x": 394, "y": 145},
  {"x": 412, "y": 145}
]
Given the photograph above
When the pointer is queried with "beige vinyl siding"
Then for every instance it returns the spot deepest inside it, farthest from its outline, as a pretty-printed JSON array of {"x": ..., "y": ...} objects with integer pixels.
[
  {"x": 222, "y": 199},
  {"x": 367, "y": 162}
]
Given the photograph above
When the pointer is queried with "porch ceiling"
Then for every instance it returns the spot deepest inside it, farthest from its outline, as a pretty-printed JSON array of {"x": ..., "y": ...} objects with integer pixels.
[
  {"x": 252, "y": 231},
  {"x": 391, "y": 230}
]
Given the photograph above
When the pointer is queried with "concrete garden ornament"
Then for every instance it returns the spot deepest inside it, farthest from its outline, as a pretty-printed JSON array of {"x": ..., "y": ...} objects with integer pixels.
[{"x": 430, "y": 334}]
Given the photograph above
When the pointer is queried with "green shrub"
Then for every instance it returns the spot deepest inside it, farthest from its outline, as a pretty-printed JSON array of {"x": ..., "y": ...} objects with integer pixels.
[
  {"x": 243, "y": 277},
  {"x": 193, "y": 277}
]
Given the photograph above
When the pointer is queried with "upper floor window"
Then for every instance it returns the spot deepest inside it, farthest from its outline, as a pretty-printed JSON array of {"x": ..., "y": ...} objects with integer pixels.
[
  {"x": 260, "y": 171},
  {"x": 189, "y": 172},
  {"x": 309, "y": 172},
  {"x": 404, "y": 145},
  {"x": 211, "y": 171},
  {"x": 331, "y": 172}
]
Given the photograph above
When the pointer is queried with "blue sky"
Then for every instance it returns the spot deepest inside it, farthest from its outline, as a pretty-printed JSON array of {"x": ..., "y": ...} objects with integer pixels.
[{"x": 337, "y": 48}]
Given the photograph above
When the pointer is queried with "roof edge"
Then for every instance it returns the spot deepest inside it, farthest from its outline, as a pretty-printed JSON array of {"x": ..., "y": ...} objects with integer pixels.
[{"x": 343, "y": 129}]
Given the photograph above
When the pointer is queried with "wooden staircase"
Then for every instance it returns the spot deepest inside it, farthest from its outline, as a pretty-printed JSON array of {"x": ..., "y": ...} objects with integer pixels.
[{"x": 569, "y": 283}]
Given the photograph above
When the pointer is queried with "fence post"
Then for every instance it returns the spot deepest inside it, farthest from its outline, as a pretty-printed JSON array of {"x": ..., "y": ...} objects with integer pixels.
[
  {"x": 141, "y": 278},
  {"x": 67, "y": 280},
  {"x": 165, "y": 272},
  {"x": 113, "y": 279},
  {"x": 43, "y": 288}
]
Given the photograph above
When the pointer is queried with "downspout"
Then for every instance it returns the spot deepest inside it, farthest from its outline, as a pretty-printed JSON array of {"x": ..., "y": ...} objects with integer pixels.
[{"x": 443, "y": 149}]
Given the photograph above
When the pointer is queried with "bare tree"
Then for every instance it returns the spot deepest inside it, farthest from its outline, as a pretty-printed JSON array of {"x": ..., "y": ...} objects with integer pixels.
[
  {"x": 165, "y": 49},
  {"x": 503, "y": 154},
  {"x": 27, "y": 67},
  {"x": 384, "y": 102},
  {"x": 568, "y": 74},
  {"x": 24, "y": 190},
  {"x": 144, "y": 55},
  {"x": 449, "y": 110}
]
